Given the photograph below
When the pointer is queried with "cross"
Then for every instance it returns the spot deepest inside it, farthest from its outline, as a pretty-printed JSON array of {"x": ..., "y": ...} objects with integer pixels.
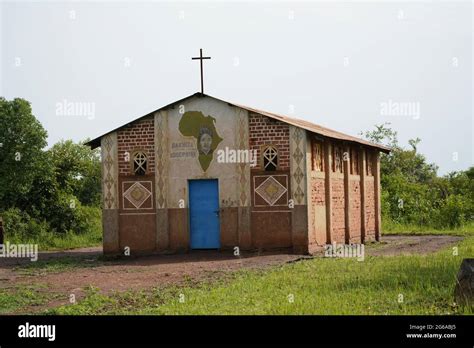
[{"x": 202, "y": 76}]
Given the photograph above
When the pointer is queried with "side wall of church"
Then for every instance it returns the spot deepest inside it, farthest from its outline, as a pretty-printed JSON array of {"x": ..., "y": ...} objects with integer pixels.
[{"x": 344, "y": 204}]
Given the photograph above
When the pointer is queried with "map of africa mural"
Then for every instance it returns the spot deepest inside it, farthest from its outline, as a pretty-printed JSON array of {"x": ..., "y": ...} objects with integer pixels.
[{"x": 203, "y": 129}]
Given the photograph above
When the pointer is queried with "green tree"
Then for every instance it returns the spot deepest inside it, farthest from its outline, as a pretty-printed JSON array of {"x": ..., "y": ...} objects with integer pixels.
[
  {"x": 77, "y": 170},
  {"x": 412, "y": 191},
  {"x": 22, "y": 139},
  {"x": 407, "y": 163}
]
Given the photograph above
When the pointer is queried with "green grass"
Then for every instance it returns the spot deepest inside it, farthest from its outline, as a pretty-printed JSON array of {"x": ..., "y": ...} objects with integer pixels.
[
  {"x": 390, "y": 228},
  {"x": 13, "y": 300},
  {"x": 58, "y": 241},
  {"x": 318, "y": 286}
]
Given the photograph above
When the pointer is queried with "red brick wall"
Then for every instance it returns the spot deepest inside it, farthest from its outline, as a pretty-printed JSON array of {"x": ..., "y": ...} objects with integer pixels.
[
  {"x": 266, "y": 131},
  {"x": 338, "y": 206},
  {"x": 137, "y": 136},
  {"x": 317, "y": 233},
  {"x": 318, "y": 192},
  {"x": 354, "y": 220},
  {"x": 369, "y": 209}
]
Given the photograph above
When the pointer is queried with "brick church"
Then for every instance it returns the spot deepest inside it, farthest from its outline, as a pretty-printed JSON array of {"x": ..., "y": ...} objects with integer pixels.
[{"x": 204, "y": 173}]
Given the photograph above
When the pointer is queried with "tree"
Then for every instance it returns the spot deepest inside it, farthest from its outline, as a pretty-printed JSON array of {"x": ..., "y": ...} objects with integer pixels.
[
  {"x": 407, "y": 163},
  {"x": 22, "y": 138},
  {"x": 412, "y": 191},
  {"x": 77, "y": 170}
]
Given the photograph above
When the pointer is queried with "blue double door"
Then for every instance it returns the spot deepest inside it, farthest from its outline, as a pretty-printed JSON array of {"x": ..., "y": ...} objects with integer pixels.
[{"x": 204, "y": 214}]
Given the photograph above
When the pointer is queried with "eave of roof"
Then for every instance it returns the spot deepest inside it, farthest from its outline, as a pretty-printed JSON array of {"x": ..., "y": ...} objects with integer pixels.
[
  {"x": 94, "y": 143},
  {"x": 326, "y": 132}
]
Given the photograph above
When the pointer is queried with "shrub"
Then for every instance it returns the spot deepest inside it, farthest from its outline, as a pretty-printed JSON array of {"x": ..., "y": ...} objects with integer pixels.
[
  {"x": 20, "y": 226},
  {"x": 454, "y": 211}
]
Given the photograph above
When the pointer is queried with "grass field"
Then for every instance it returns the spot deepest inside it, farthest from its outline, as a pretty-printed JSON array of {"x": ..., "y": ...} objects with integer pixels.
[
  {"x": 379, "y": 285},
  {"x": 391, "y": 228},
  {"x": 414, "y": 284}
]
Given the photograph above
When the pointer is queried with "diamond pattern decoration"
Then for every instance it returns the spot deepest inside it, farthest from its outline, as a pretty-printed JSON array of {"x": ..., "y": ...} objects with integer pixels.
[
  {"x": 109, "y": 200},
  {"x": 161, "y": 152},
  {"x": 109, "y": 168},
  {"x": 299, "y": 194},
  {"x": 298, "y": 155},
  {"x": 298, "y": 163},
  {"x": 271, "y": 190},
  {"x": 108, "y": 143},
  {"x": 242, "y": 168},
  {"x": 298, "y": 175},
  {"x": 137, "y": 194},
  {"x": 298, "y": 136},
  {"x": 109, "y": 162}
]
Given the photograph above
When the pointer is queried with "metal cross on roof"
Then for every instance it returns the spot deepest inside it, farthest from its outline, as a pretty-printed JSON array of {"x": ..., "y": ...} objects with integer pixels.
[{"x": 202, "y": 75}]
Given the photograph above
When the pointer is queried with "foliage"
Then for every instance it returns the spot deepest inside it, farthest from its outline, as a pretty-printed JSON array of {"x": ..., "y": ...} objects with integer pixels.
[
  {"x": 49, "y": 193},
  {"x": 22, "y": 228},
  {"x": 22, "y": 139},
  {"x": 22, "y": 225},
  {"x": 77, "y": 170},
  {"x": 413, "y": 194}
]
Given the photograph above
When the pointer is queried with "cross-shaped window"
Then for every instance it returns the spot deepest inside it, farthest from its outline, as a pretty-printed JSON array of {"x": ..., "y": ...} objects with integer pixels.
[
  {"x": 270, "y": 158},
  {"x": 139, "y": 163}
]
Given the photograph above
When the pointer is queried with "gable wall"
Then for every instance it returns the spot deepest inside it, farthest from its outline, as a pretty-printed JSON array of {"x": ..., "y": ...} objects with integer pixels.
[{"x": 178, "y": 160}]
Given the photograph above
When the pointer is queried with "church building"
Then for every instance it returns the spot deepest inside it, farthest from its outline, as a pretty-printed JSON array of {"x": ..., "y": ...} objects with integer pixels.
[{"x": 204, "y": 173}]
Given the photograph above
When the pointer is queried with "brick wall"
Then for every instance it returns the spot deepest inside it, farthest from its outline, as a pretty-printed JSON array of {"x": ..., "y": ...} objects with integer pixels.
[
  {"x": 137, "y": 136},
  {"x": 317, "y": 219},
  {"x": 266, "y": 131},
  {"x": 318, "y": 192},
  {"x": 369, "y": 208},
  {"x": 338, "y": 206},
  {"x": 354, "y": 220}
]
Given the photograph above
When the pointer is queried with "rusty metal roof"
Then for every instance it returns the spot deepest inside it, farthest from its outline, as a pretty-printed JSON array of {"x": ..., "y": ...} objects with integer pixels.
[{"x": 314, "y": 128}]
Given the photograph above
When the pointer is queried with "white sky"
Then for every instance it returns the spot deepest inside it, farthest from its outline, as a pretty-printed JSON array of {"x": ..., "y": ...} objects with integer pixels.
[{"x": 335, "y": 64}]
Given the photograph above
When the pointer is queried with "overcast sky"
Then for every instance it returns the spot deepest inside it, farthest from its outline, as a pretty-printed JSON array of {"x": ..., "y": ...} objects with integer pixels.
[{"x": 347, "y": 66}]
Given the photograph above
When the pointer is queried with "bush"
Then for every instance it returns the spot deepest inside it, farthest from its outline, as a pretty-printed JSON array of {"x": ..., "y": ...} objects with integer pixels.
[
  {"x": 20, "y": 226},
  {"x": 413, "y": 194},
  {"x": 454, "y": 211},
  {"x": 23, "y": 229},
  {"x": 67, "y": 214}
]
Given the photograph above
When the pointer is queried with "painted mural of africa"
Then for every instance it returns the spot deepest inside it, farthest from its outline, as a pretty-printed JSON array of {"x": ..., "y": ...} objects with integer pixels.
[{"x": 202, "y": 128}]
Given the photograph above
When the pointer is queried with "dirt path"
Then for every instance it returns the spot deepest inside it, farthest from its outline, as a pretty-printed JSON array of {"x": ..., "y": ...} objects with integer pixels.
[
  {"x": 82, "y": 268},
  {"x": 407, "y": 245},
  {"x": 70, "y": 272}
]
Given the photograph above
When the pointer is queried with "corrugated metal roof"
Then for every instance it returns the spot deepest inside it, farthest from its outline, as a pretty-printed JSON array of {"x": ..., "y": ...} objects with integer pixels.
[{"x": 326, "y": 132}]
